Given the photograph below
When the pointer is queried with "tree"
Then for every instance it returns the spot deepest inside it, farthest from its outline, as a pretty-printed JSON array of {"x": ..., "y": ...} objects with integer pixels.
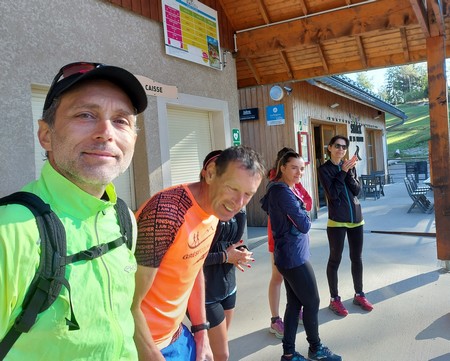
[
  {"x": 364, "y": 80},
  {"x": 406, "y": 83}
]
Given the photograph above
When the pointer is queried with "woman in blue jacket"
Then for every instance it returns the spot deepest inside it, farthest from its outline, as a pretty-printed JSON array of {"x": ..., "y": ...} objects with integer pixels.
[
  {"x": 290, "y": 226},
  {"x": 341, "y": 185}
]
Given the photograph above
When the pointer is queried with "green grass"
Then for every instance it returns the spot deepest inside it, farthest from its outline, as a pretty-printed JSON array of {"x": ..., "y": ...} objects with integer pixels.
[{"x": 413, "y": 135}]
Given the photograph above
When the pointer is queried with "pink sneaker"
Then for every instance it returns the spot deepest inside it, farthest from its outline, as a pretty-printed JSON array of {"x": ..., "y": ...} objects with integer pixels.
[
  {"x": 337, "y": 307},
  {"x": 277, "y": 328},
  {"x": 362, "y": 301}
]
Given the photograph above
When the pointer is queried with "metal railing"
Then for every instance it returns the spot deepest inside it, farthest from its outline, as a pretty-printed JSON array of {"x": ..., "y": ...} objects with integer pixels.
[{"x": 399, "y": 168}]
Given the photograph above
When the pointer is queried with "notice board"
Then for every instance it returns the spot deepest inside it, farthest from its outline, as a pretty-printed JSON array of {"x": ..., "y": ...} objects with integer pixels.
[{"x": 191, "y": 32}]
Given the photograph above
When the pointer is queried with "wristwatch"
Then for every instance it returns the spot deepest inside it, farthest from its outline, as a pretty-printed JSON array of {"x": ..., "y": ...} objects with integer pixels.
[{"x": 200, "y": 327}]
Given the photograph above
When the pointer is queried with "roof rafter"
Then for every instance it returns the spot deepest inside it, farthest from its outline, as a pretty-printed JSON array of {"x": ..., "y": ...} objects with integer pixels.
[
  {"x": 304, "y": 7},
  {"x": 286, "y": 64},
  {"x": 421, "y": 15},
  {"x": 322, "y": 57},
  {"x": 263, "y": 9},
  {"x": 436, "y": 17},
  {"x": 362, "y": 52},
  {"x": 405, "y": 44},
  {"x": 229, "y": 17},
  {"x": 301, "y": 32},
  {"x": 253, "y": 70}
]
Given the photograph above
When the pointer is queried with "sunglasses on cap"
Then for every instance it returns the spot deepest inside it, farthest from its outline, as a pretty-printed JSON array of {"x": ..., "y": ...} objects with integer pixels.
[
  {"x": 340, "y": 146},
  {"x": 71, "y": 74},
  {"x": 74, "y": 68}
]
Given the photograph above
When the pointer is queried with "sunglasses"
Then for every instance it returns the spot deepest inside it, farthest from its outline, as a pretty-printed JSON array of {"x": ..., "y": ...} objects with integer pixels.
[
  {"x": 340, "y": 146},
  {"x": 74, "y": 68}
]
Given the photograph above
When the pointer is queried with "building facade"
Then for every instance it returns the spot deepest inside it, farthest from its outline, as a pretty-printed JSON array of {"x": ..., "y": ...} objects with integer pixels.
[
  {"x": 305, "y": 116},
  {"x": 38, "y": 37}
]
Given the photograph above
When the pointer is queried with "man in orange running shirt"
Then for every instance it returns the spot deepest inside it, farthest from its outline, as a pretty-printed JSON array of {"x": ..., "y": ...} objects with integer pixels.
[{"x": 176, "y": 227}]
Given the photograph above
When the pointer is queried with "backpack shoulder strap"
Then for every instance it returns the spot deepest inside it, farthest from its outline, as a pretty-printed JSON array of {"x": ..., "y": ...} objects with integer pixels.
[
  {"x": 125, "y": 222},
  {"x": 127, "y": 237},
  {"x": 50, "y": 276},
  {"x": 46, "y": 284}
]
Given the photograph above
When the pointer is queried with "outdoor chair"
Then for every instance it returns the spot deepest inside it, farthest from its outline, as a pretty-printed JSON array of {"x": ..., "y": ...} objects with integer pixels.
[
  {"x": 370, "y": 186},
  {"x": 419, "y": 198},
  {"x": 381, "y": 179},
  {"x": 415, "y": 185}
]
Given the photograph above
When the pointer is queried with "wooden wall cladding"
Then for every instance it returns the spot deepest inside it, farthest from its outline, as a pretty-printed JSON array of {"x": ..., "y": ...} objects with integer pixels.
[{"x": 266, "y": 140}]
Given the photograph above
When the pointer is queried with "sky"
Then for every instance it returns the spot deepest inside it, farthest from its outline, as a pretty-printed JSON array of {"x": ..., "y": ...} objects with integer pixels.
[{"x": 377, "y": 77}]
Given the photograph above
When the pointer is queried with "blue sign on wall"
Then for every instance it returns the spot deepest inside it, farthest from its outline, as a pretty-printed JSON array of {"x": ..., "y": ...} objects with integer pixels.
[{"x": 275, "y": 114}]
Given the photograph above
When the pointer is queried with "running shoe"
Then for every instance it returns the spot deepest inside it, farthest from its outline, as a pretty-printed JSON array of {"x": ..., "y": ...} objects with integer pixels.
[
  {"x": 277, "y": 328},
  {"x": 361, "y": 300},
  {"x": 296, "y": 357},
  {"x": 300, "y": 316},
  {"x": 323, "y": 353},
  {"x": 337, "y": 307}
]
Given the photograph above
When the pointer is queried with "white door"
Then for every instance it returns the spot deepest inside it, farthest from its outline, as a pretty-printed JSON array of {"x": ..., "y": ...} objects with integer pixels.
[{"x": 189, "y": 142}]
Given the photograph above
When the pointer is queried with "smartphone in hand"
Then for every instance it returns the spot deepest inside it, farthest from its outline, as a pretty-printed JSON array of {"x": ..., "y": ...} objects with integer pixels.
[{"x": 356, "y": 155}]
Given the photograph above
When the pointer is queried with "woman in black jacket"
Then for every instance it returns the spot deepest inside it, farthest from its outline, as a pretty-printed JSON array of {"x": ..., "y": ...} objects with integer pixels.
[{"x": 340, "y": 182}]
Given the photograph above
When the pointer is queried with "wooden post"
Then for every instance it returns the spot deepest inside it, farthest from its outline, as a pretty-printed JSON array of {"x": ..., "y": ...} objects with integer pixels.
[{"x": 439, "y": 151}]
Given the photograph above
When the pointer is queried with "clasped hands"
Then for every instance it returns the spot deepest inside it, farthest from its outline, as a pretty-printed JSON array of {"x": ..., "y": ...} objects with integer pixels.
[
  {"x": 239, "y": 255},
  {"x": 349, "y": 164}
]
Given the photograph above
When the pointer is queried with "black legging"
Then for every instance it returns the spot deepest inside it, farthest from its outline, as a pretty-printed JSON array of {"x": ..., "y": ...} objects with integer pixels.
[
  {"x": 336, "y": 238},
  {"x": 301, "y": 290}
]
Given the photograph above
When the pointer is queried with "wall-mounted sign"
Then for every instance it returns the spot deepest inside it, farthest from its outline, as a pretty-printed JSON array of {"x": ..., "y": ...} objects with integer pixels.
[
  {"x": 248, "y": 114},
  {"x": 191, "y": 32},
  {"x": 355, "y": 128},
  {"x": 157, "y": 89},
  {"x": 236, "y": 133},
  {"x": 303, "y": 146},
  {"x": 275, "y": 114}
]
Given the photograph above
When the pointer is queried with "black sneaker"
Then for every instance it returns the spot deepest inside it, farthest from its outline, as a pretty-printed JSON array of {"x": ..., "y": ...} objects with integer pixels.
[
  {"x": 323, "y": 353},
  {"x": 295, "y": 357}
]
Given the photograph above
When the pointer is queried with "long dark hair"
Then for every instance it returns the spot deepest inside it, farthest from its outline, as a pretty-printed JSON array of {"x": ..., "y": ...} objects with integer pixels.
[
  {"x": 280, "y": 154},
  {"x": 284, "y": 160}
]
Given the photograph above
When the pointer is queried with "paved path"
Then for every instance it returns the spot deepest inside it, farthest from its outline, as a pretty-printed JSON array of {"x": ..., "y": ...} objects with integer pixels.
[{"x": 408, "y": 286}]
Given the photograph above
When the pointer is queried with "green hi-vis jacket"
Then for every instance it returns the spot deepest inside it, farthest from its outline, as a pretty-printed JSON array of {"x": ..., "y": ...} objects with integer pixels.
[{"x": 101, "y": 289}]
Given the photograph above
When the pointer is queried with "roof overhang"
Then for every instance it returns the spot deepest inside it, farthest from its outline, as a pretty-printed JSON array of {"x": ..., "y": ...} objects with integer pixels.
[{"x": 346, "y": 87}]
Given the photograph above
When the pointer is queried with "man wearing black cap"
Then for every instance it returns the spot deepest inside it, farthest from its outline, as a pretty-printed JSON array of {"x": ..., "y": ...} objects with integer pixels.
[{"x": 88, "y": 130}]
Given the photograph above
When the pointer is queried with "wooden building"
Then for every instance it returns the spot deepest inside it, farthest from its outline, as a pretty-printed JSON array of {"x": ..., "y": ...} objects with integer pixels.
[{"x": 307, "y": 115}]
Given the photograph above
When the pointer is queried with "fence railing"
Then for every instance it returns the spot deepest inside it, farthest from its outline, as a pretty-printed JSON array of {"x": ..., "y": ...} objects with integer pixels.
[{"x": 399, "y": 168}]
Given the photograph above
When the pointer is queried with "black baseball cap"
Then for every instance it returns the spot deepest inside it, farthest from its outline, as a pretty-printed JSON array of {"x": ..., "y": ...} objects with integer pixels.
[{"x": 73, "y": 73}]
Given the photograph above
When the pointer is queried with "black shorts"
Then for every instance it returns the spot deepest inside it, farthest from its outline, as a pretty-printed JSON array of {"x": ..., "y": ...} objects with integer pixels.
[{"x": 215, "y": 311}]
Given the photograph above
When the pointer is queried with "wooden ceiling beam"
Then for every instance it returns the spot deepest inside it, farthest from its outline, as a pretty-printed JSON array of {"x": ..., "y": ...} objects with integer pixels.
[
  {"x": 405, "y": 44},
  {"x": 382, "y": 61},
  {"x": 287, "y": 66},
  {"x": 303, "y": 32},
  {"x": 304, "y": 7},
  {"x": 421, "y": 15},
  {"x": 263, "y": 9},
  {"x": 435, "y": 17},
  {"x": 230, "y": 18},
  {"x": 253, "y": 70},
  {"x": 446, "y": 8},
  {"x": 323, "y": 59},
  {"x": 362, "y": 52}
]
